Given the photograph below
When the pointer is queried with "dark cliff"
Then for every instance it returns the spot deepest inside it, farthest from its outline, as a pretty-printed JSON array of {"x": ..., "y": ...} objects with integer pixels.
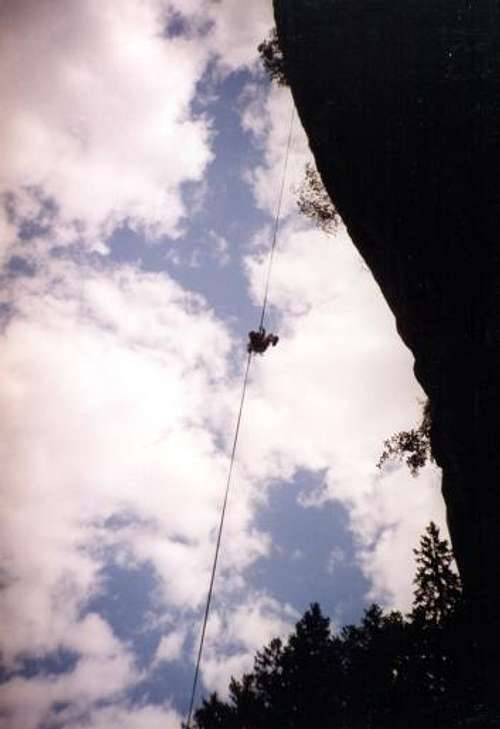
[{"x": 400, "y": 100}]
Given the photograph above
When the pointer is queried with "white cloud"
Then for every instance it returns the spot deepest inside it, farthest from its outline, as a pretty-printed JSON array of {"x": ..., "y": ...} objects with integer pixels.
[
  {"x": 338, "y": 384},
  {"x": 337, "y": 556},
  {"x": 220, "y": 248},
  {"x": 401, "y": 507},
  {"x": 116, "y": 395},
  {"x": 116, "y": 385},
  {"x": 234, "y": 635},
  {"x": 129, "y": 717},
  {"x": 238, "y": 30},
  {"x": 340, "y": 381},
  {"x": 108, "y": 381},
  {"x": 96, "y": 113},
  {"x": 170, "y": 646},
  {"x": 26, "y": 703},
  {"x": 118, "y": 391},
  {"x": 267, "y": 113}
]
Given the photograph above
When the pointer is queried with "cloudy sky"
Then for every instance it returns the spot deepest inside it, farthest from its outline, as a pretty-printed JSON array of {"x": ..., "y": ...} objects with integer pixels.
[{"x": 142, "y": 149}]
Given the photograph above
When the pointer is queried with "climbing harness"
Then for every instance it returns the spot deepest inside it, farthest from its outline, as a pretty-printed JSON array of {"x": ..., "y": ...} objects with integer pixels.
[{"x": 258, "y": 344}]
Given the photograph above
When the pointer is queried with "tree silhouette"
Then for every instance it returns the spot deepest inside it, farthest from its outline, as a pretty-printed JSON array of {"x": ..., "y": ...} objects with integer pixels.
[
  {"x": 312, "y": 197},
  {"x": 412, "y": 445},
  {"x": 272, "y": 58},
  {"x": 437, "y": 632},
  {"x": 387, "y": 672},
  {"x": 438, "y": 590},
  {"x": 215, "y": 714}
]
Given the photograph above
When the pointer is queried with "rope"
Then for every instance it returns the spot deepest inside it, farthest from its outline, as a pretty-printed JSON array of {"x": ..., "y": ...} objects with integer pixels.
[
  {"x": 219, "y": 537},
  {"x": 277, "y": 219},
  {"x": 237, "y": 431}
]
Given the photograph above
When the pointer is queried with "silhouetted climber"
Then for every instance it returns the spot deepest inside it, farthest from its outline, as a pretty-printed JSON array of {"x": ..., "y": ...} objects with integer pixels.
[{"x": 259, "y": 341}]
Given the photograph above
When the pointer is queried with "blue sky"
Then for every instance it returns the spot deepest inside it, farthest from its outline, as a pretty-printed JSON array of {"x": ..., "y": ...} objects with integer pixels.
[{"x": 144, "y": 148}]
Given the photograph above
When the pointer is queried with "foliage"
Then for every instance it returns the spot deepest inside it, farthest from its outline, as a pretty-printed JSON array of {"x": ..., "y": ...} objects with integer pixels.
[
  {"x": 414, "y": 446},
  {"x": 314, "y": 201},
  {"x": 438, "y": 589},
  {"x": 272, "y": 58},
  {"x": 389, "y": 671}
]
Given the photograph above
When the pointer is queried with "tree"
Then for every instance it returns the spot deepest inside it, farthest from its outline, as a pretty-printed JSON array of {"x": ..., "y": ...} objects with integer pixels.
[
  {"x": 289, "y": 688},
  {"x": 272, "y": 58},
  {"x": 214, "y": 714},
  {"x": 314, "y": 201},
  {"x": 438, "y": 589},
  {"x": 386, "y": 671},
  {"x": 309, "y": 669},
  {"x": 414, "y": 446},
  {"x": 372, "y": 668},
  {"x": 439, "y": 643}
]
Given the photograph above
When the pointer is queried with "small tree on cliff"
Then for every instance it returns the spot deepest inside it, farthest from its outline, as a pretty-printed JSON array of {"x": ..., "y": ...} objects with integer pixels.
[
  {"x": 414, "y": 446},
  {"x": 272, "y": 58},
  {"x": 314, "y": 201}
]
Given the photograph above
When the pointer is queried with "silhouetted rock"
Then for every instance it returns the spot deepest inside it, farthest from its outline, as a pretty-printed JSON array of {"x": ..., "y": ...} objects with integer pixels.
[{"x": 401, "y": 103}]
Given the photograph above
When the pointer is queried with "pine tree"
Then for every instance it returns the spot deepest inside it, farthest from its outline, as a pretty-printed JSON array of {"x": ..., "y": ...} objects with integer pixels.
[
  {"x": 438, "y": 588},
  {"x": 214, "y": 714},
  {"x": 386, "y": 671},
  {"x": 436, "y": 645},
  {"x": 307, "y": 666}
]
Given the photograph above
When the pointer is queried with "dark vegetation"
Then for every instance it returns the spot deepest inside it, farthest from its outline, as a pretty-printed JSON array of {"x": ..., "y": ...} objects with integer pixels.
[
  {"x": 390, "y": 671},
  {"x": 400, "y": 102},
  {"x": 314, "y": 201},
  {"x": 413, "y": 446},
  {"x": 272, "y": 58},
  {"x": 312, "y": 198},
  {"x": 401, "y": 105}
]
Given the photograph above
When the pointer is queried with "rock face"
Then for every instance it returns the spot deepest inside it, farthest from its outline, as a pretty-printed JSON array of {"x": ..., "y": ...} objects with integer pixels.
[{"x": 401, "y": 103}]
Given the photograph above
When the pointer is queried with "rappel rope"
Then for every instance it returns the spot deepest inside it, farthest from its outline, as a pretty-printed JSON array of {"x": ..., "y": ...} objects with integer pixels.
[
  {"x": 277, "y": 219},
  {"x": 217, "y": 546},
  {"x": 237, "y": 429}
]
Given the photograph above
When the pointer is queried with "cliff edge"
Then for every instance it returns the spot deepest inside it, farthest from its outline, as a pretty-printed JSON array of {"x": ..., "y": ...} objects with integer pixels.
[{"x": 401, "y": 104}]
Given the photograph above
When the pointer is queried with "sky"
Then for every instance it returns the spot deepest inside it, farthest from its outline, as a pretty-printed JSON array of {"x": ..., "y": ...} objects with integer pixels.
[{"x": 142, "y": 153}]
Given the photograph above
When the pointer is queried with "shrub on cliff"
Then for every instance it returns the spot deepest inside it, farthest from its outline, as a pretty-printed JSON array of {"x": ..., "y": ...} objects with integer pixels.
[
  {"x": 272, "y": 58},
  {"x": 413, "y": 446},
  {"x": 314, "y": 201}
]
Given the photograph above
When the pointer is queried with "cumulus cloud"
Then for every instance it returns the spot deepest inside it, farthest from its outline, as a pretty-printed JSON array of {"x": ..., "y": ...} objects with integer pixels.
[
  {"x": 97, "y": 127},
  {"x": 119, "y": 386},
  {"x": 339, "y": 383},
  {"x": 101, "y": 674},
  {"x": 127, "y": 717},
  {"x": 235, "y": 634},
  {"x": 113, "y": 376},
  {"x": 118, "y": 398},
  {"x": 96, "y": 116},
  {"x": 269, "y": 116},
  {"x": 341, "y": 380},
  {"x": 170, "y": 647},
  {"x": 238, "y": 29}
]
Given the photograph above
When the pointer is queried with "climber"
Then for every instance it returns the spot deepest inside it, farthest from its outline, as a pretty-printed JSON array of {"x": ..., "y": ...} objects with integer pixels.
[{"x": 259, "y": 341}]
